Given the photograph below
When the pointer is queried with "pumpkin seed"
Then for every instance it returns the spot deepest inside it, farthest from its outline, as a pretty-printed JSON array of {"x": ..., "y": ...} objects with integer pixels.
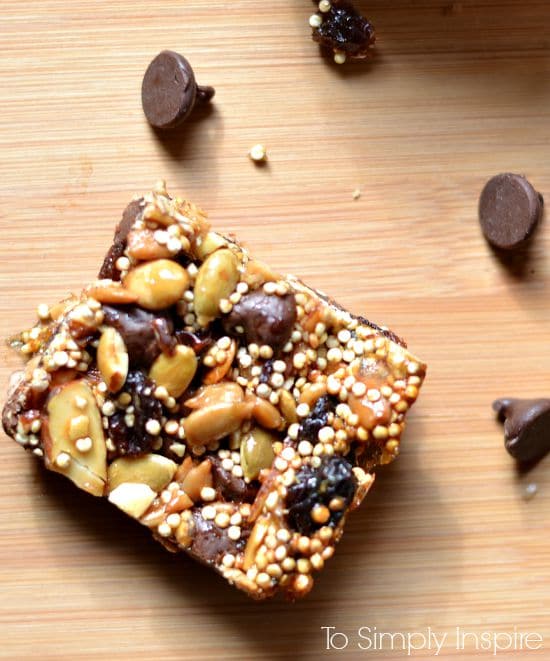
[
  {"x": 176, "y": 371},
  {"x": 257, "y": 452},
  {"x": 216, "y": 279}
]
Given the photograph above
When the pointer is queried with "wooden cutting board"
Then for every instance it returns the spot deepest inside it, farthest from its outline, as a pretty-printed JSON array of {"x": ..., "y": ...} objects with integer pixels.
[{"x": 458, "y": 92}]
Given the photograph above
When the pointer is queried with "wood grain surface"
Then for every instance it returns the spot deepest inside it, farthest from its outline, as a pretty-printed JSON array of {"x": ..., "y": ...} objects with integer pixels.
[{"x": 456, "y": 93}]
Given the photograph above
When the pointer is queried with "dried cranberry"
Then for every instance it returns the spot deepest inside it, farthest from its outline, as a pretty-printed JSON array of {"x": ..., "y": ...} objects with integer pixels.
[
  {"x": 136, "y": 440},
  {"x": 334, "y": 478},
  {"x": 344, "y": 29}
]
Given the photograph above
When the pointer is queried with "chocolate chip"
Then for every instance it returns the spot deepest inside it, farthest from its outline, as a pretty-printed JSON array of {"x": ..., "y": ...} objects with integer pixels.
[
  {"x": 108, "y": 269},
  {"x": 509, "y": 210},
  {"x": 264, "y": 318},
  {"x": 526, "y": 427},
  {"x": 144, "y": 333},
  {"x": 169, "y": 91}
]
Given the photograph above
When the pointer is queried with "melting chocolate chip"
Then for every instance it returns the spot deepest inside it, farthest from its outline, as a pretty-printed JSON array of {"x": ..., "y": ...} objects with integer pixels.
[
  {"x": 526, "y": 427},
  {"x": 199, "y": 341},
  {"x": 108, "y": 269},
  {"x": 231, "y": 487},
  {"x": 263, "y": 318},
  {"x": 509, "y": 211},
  {"x": 144, "y": 333},
  {"x": 169, "y": 91},
  {"x": 210, "y": 542},
  {"x": 164, "y": 329}
]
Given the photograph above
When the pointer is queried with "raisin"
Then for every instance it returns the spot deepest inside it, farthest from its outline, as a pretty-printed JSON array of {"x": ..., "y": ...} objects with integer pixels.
[
  {"x": 317, "y": 419},
  {"x": 344, "y": 30},
  {"x": 136, "y": 440},
  {"x": 334, "y": 478},
  {"x": 262, "y": 319},
  {"x": 267, "y": 371}
]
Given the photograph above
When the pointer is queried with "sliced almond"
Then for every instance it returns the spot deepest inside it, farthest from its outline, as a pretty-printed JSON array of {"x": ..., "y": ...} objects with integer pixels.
[
  {"x": 217, "y": 393},
  {"x": 78, "y": 427},
  {"x": 175, "y": 371},
  {"x": 265, "y": 413},
  {"x": 370, "y": 413},
  {"x": 142, "y": 245},
  {"x": 257, "y": 273},
  {"x": 112, "y": 359},
  {"x": 254, "y": 542},
  {"x": 186, "y": 529},
  {"x": 183, "y": 469},
  {"x": 81, "y": 476},
  {"x": 311, "y": 393},
  {"x": 154, "y": 470},
  {"x": 209, "y": 243},
  {"x": 287, "y": 404},
  {"x": 179, "y": 503},
  {"x": 112, "y": 293},
  {"x": 217, "y": 373},
  {"x": 132, "y": 498},
  {"x": 198, "y": 477}
]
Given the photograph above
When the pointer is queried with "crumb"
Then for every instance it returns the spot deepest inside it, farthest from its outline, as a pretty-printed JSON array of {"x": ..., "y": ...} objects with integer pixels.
[
  {"x": 258, "y": 153},
  {"x": 356, "y": 194},
  {"x": 530, "y": 491}
]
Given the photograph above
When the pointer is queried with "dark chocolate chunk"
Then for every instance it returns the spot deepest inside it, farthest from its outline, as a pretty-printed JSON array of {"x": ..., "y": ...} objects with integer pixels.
[
  {"x": 169, "y": 91},
  {"x": 145, "y": 334},
  {"x": 344, "y": 30},
  {"x": 108, "y": 269},
  {"x": 509, "y": 211},
  {"x": 265, "y": 319},
  {"x": 526, "y": 427},
  {"x": 318, "y": 487},
  {"x": 135, "y": 439}
]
